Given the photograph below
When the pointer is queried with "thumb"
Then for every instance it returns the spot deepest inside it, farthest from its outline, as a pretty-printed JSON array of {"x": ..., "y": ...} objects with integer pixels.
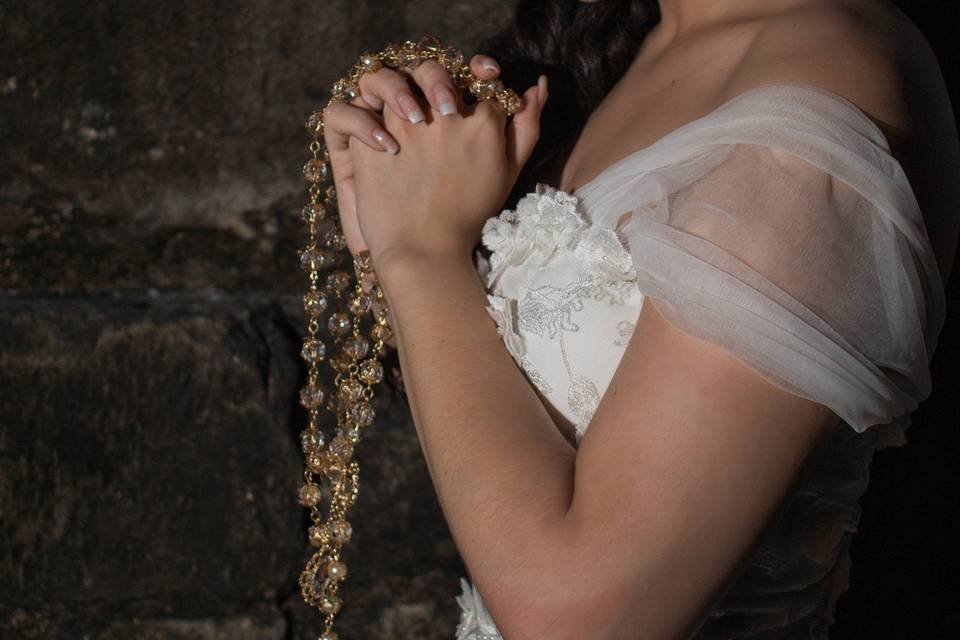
[{"x": 523, "y": 130}]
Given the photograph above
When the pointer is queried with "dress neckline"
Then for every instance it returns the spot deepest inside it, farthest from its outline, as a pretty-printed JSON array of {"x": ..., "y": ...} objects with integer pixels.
[{"x": 802, "y": 86}]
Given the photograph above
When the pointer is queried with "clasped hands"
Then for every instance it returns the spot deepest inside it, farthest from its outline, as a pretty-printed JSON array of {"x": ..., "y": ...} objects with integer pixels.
[{"x": 418, "y": 175}]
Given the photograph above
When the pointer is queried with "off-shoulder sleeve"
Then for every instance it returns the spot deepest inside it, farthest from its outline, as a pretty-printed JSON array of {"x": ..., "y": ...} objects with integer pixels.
[{"x": 799, "y": 249}]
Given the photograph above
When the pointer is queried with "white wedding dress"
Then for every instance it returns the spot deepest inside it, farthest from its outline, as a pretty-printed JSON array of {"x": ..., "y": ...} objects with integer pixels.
[{"x": 780, "y": 227}]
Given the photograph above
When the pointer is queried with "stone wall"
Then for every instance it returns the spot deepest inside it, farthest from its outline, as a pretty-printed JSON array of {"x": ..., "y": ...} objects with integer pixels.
[{"x": 150, "y": 326}]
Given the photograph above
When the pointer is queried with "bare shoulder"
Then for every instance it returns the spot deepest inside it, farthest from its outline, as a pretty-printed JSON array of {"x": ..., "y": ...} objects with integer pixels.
[{"x": 873, "y": 55}]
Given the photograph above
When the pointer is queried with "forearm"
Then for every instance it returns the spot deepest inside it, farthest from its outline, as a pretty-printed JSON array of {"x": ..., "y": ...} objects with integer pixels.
[{"x": 502, "y": 470}]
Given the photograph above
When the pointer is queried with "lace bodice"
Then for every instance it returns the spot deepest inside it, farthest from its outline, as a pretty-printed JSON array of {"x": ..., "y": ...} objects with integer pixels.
[{"x": 779, "y": 227}]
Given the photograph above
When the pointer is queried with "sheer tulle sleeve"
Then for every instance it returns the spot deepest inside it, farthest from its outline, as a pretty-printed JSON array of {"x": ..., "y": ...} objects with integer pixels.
[{"x": 790, "y": 237}]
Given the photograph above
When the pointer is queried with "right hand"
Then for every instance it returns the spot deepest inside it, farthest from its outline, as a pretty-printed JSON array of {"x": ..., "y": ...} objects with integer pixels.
[{"x": 362, "y": 120}]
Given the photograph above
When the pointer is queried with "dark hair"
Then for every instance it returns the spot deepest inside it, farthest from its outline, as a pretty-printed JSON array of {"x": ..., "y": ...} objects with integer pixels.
[{"x": 583, "y": 49}]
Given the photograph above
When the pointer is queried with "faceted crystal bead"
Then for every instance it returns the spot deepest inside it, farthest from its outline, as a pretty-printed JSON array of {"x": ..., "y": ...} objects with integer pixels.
[
  {"x": 328, "y": 635},
  {"x": 332, "y": 195},
  {"x": 330, "y": 604},
  {"x": 371, "y": 371},
  {"x": 334, "y": 240},
  {"x": 356, "y": 347},
  {"x": 353, "y": 435},
  {"x": 337, "y": 570},
  {"x": 317, "y": 535},
  {"x": 315, "y": 304},
  {"x": 340, "y": 362},
  {"x": 311, "y": 396},
  {"x": 316, "y": 170},
  {"x": 320, "y": 576},
  {"x": 313, "y": 350},
  {"x": 409, "y": 57},
  {"x": 341, "y": 531},
  {"x": 369, "y": 61},
  {"x": 335, "y": 472},
  {"x": 452, "y": 59},
  {"x": 483, "y": 89},
  {"x": 339, "y": 324},
  {"x": 363, "y": 414},
  {"x": 351, "y": 390},
  {"x": 381, "y": 332},
  {"x": 362, "y": 262},
  {"x": 339, "y": 280},
  {"x": 313, "y": 212},
  {"x": 339, "y": 87},
  {"x": 309, "y": 495},
  {"x": 311, "y": 440},
  {"x": 313, "y": 259},
  {"x": 314, "y": 123},
  {"x": 341, "y": 448},
  {"x": 360, "y": 304},
  {"x": 315, "y": 462},
  {"x": 430, "y": 42}
]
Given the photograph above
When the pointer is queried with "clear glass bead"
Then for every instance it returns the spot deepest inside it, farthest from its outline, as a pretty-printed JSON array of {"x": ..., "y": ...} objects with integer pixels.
[
  {"x": 335, "y": 472},
  {"x": 311, "y": 396},
  {"x": 316, "y": 170},
  {"x": 313, "y": 350},
  {"x": 339, "y": 324},
  {"x": 315, "y": 462},
  {"x": 452, "y": 59},
  {"x": 314, "y": 123},
  {"x": 341, "y": 530},
  {"x": 363, "y": 414},
  {"x": 334, "y": 240},
  {"x": 332, "y": 195},
  {"x": 311, "y": 440},
  {"x": 328, "y": 635},
  {"x": 309, "y": 495},
  {"x": 351, "y": 390},
  {"x": 313, "y": 212},
  {"x": 360, "y": 304},
  {"x": 315, "y": 304},
  {"x": 356, "y": 347},
  {"x": 371, "y": 371},
  {"x": 341, "y": 448},
  {"x": 337, "y": 570},
  {"x": 339, "y": 280},
  {"x": 381, "y": 332},
  {"x": 330, "y": 604}
]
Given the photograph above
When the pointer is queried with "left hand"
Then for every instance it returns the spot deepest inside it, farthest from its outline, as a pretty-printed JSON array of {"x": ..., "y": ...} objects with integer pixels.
[{"x": 450, "y": 175}]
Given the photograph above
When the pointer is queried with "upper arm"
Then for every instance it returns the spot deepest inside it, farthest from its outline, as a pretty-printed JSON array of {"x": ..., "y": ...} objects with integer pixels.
[{"x": 688, "y": 455}]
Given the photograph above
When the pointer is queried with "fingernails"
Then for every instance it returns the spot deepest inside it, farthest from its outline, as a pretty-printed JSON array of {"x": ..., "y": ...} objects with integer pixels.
[
  {"x": 386, "y": 141},
  {"x": 411, "y": 108},
  {"x": 542, "y": 89},
  {"x": 490, "y": 65},
  {"x": 446, "y": 102}
]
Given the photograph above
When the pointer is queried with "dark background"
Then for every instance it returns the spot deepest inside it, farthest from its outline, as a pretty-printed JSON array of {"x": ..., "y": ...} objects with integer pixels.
[{"x": 149, "y": 337}]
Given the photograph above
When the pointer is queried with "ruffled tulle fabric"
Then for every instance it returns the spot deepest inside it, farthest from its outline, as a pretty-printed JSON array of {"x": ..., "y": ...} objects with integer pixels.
[{"x": 779, "y": 227}]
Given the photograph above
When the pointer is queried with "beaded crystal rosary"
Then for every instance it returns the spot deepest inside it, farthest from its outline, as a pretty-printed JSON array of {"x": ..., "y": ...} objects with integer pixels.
[{"x": 330, "y": 471}]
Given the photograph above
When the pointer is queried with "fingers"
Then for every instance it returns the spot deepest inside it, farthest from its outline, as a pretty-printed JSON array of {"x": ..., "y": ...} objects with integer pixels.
[
  {"x": 484, "y": 67},
  {"x": 523, "y": 130},
  {"x": 437, "y": 86},
  {"x": 343, "y": 121},
  {"x": 388, "y": 87}
]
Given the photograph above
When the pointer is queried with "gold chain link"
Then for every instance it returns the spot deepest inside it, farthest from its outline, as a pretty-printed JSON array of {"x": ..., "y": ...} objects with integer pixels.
[{"x": 330, "y": 471}]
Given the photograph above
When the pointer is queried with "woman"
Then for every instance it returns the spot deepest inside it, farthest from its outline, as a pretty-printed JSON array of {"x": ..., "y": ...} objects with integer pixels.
[{"x": 752, "y": 169}]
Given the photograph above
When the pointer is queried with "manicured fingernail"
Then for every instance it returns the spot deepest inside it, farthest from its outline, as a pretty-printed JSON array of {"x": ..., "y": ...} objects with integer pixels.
[
  {"x": 448, "y": 105},
  {"x": 386, "y": 141},
  {"x": 542, "y": 89},
  {"x": 412, "y": 109},
  {"x": 489, "y": 65}
]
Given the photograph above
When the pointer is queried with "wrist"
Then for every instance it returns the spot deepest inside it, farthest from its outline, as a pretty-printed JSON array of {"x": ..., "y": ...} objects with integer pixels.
[{"x": 399, "y": 262}]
